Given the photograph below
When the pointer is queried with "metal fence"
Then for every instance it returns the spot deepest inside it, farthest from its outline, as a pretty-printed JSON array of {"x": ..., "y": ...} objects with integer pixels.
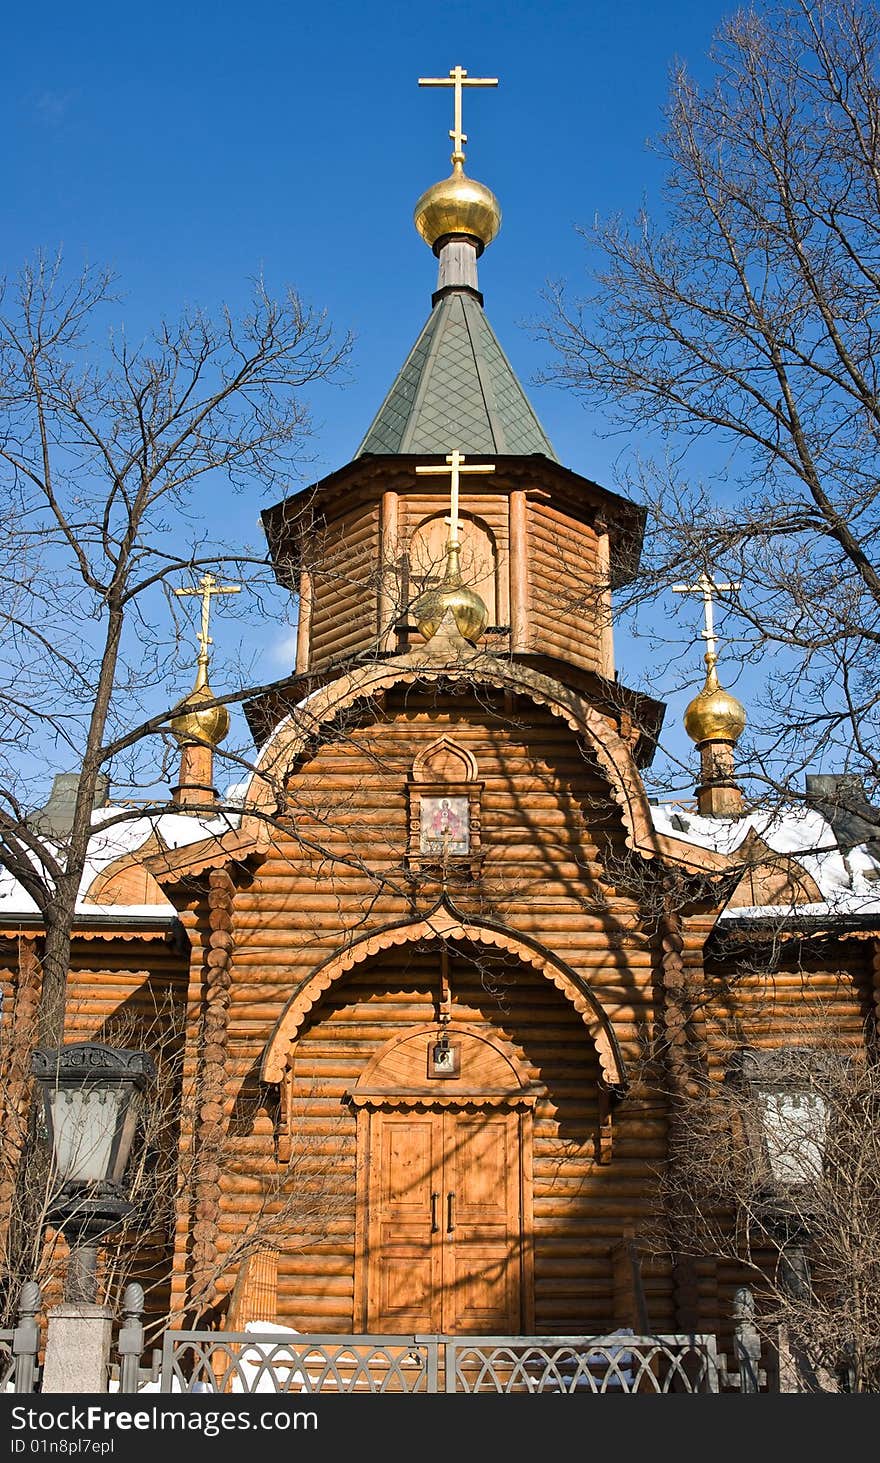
[
  {"x": 270, "y": 1361},
  {"x": 20, "y": 1346}
]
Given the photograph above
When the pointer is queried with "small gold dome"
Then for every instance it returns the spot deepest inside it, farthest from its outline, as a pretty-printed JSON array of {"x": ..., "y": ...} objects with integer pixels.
[
  {"x": 714, "y": 715},
  {"x": 195, "y": 722},
  {"x": 458, "y": 205},
  {"x": 468, "y": 609}
]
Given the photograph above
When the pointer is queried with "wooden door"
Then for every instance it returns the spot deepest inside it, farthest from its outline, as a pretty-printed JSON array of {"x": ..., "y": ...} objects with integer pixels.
[{"x": 444, "y": 1230}]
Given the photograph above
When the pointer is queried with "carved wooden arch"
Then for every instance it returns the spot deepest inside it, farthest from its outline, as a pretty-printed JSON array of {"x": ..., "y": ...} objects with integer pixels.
[
  {"x": 490, "y": 1073},
  {"x": 445, "y": 761},
  {"x": 299, "y": 730},
  {"x": 444, "y": 924}
]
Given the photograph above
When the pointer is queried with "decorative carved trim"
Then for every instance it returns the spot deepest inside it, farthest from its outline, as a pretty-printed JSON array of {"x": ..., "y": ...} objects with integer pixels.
[
  {"x": 116, "y": 933},
  {"x": 236, "y": 846},
  {"x": 444, "y": 923},
  {"x": 299, "y": 730},
  {"x": 431, "y": 765},
  {"x": 436, "y": 1097},
  {"x": 482, "y": 668}
]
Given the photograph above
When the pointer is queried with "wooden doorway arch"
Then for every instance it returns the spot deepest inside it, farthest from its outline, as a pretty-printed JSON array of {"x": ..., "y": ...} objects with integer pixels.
[{"x": 444, "y": 1203}]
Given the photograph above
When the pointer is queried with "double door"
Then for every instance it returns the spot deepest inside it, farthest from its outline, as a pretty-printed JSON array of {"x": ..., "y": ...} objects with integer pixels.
[{"x": 444, "y": 1230}]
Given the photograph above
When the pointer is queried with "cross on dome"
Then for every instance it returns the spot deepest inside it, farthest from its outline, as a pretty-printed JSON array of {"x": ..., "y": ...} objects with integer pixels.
[
  {"x": 456, "y": 468},
  {"x": 206, "y": 588},
  {"x": 708, "y": 589},
  {"x": 457, "y": 79}
]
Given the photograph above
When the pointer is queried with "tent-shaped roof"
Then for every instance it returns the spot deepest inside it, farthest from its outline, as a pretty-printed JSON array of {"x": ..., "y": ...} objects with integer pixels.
[{"x": 456, "y": 386}]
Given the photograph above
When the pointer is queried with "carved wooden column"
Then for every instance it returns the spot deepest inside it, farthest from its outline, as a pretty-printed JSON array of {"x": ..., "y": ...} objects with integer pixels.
[
  {"x": 211, "y": 1129},
  {"x": 603, "y": 600},
  {"x": 304, "y": 622},
  {"x": 389, "y": 588},
  {"x": 519, "y": 573}
]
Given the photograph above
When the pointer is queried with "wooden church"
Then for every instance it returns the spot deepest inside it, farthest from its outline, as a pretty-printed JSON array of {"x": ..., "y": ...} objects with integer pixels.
[{"x": 445, "y": 977}]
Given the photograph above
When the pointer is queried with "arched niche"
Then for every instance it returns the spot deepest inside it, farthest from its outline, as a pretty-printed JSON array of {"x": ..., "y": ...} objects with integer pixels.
[
  {"x": 479, "y": 557},
  {"x": 444, "y": 761}
]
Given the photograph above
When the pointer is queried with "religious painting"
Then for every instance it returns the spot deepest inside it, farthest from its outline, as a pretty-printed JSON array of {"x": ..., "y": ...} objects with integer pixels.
[{"x": 444, "y": 825}]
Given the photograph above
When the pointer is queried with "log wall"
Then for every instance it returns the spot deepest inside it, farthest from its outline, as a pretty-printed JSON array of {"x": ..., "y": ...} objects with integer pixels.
[
  {"x": 344, "y": 563},
  {"x": 550, "y": 836},
  {"x": 567, "y": 595},
  {"x": 565, "y": 608}
]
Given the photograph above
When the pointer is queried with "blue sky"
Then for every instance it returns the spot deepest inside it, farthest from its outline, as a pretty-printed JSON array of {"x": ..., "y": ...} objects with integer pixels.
[{"x": 190, "y": 146}]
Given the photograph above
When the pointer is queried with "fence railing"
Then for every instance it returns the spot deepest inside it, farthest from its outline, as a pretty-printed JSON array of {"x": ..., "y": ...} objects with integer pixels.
[
  {"x": 272, "y": 1361},
  {"x": 20, "y": 1345}
]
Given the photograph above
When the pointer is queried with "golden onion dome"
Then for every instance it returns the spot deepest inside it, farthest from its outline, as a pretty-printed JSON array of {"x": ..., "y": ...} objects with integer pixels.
[
  {"x": 458, "y": 205},
  {"x": 714, "y": 715},
  {"x": 468, "y": 609},
  {"x": 195, "y": 722}
]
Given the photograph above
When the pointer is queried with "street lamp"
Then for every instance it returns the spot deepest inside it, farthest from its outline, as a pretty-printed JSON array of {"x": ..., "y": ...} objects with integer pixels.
[{"x": 91, "y": 1096}]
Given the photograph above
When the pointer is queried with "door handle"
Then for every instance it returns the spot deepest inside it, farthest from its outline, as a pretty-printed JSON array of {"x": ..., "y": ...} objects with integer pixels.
[
  {"x": 450, "y": 1222},
  {"x": 434, "y": 1225}
]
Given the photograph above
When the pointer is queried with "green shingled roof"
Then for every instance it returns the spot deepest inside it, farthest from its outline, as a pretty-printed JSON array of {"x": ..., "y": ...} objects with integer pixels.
[{"x": 456, "y": 389}]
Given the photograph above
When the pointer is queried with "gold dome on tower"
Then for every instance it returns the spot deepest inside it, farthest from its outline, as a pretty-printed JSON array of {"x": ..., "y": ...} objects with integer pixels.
[
  {"x": 196, "y": 722},
  {"x": 468, "y": 610},
  {"x": 192, "y": 720},
  {"x": 458, "y": 205},
  {"x": 714, "y": 715}
]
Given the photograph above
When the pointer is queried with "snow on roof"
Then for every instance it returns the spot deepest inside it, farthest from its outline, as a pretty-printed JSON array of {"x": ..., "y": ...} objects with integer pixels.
[
  {"x": 112, "y": 840},
  {"x": 848, "y": 882}
]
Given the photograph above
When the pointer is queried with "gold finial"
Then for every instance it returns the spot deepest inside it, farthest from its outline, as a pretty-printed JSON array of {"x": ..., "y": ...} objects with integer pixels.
[
  {"x": 714, "y": 714},
  {"x": 458, "y": 204},
  {"x": 192, "y": 721},
  {"x": 468, "y": 609},
  {"x": 457, "y": 79}
]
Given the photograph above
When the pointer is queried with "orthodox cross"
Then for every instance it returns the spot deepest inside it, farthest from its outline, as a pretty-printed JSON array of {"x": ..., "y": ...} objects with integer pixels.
[
  {"x": 457, "y": 79},
  {"x": 455, "y": 461},
  {"x": 205, "y": 589},
  {"x": 708, "y": 589}
]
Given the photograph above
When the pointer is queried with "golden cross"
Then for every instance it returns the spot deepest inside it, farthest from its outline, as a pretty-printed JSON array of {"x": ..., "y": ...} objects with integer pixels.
[
  {"x": 708, "y": 589},
  {"x": 206, "y": 587},
  {"x": 458, "y": 78},
  {"x": 456, "y": 468}
]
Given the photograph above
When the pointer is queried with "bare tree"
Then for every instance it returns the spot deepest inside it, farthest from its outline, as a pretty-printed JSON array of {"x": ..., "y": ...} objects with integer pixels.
[
  {"x": 773, "y": 1168},
  {"x": 110, "y": 453},
  {"x": 745, "y": 324},
  {"x": 291, "y": 1202}
]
